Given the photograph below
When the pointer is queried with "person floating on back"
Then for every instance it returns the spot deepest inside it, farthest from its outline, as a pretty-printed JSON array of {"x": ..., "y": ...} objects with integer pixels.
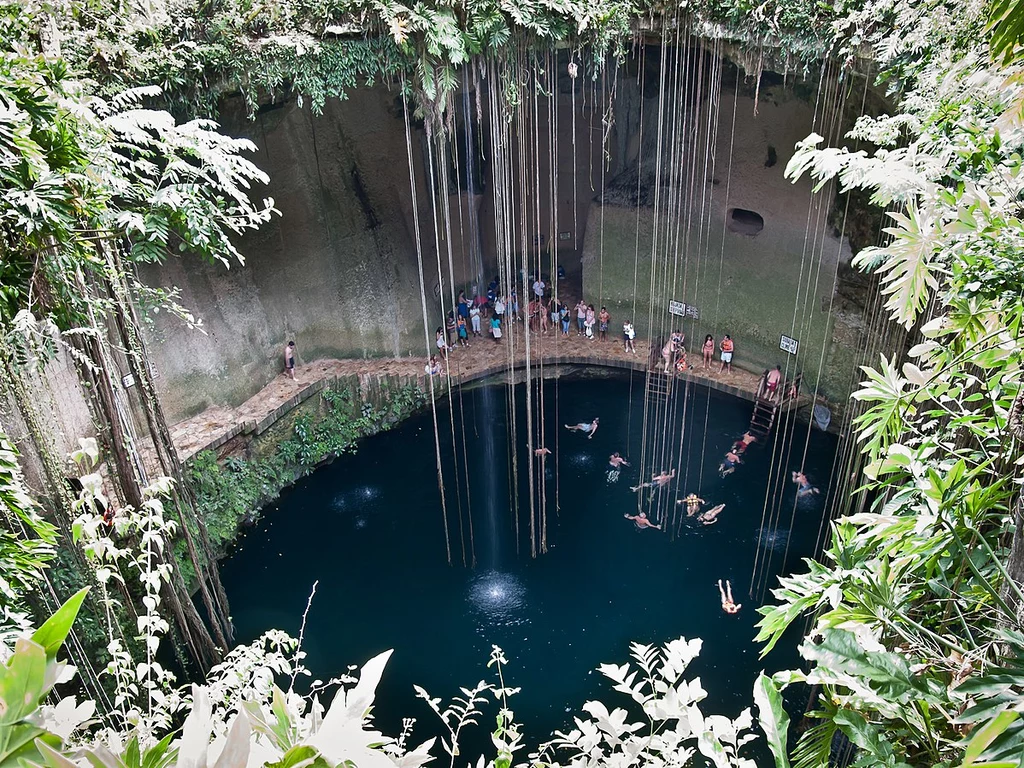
[
  {"x": 289, "y": 359},
  {"x": 588, "y": 429},
  {"x": 642, "y": 522},
  {"x": 728, "y": 605},
  {"x": 657, "y": 481},
  {"x": 711, "y": 516}
]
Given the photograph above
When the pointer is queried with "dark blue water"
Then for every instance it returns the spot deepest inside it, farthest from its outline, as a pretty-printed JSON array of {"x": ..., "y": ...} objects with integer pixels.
[{"x": 369, "y": 528}]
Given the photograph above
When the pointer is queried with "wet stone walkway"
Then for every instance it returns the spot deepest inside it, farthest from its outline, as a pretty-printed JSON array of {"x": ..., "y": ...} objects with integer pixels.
[{"x": 484, "y": 357}]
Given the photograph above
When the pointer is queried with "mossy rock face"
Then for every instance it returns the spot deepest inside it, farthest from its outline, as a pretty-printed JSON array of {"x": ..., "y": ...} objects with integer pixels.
[{"x": 231, "y": 490}]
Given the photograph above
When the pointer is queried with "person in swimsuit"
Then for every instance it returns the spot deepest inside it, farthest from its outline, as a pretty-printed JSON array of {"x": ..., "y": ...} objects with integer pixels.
[
  {"x": 588, "y": 429},
  {"x": 743, "y": 443},
  {"x": 603, "y": 319},
  {"x": 657, "y": 481},
  {"x": 709, "y": 351},
  {"x": 692, "y": 502},
  {"x": 728, "y": 604},
  {"x": 667, "y": 353},
  {"x": 727, "y": 348},
  {"x": 804, "y": 487},
  {"x": 289, "y": 359},
  {"x": 793, "y": 390},
  {"x": 771, "y": 383},
  {"x": 728, "y": 465},
  {"x": 711, "y": 516},
  {"x": 617, "y": 461},
  {"x": 642, "y": 521},
  {"x": 681, "y": 359},
  {"x": 540, "y": 453}
]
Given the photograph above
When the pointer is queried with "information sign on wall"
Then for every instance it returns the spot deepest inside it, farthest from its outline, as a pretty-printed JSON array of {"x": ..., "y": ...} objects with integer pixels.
[
  {"x": 789, "y": 345},
  {"x": 683, "y": 310},
  {"x": 128, "y": 380}
]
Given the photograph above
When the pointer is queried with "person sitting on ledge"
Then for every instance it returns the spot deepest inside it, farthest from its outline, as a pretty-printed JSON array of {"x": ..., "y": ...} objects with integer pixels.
[
  {"x": 588, "y": 429},
  {"x": 728, "y": 604},
  {"x": 432, "y": 368},
  {"x": 642, "y": 522}
]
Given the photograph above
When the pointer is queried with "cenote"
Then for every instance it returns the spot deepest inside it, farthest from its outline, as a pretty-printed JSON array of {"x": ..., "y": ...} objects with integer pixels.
[{"x": 368, "y": 528}]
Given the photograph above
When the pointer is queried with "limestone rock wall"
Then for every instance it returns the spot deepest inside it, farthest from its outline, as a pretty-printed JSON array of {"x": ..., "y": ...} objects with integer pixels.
[
  {"x": 338, "y": 272},
  {"x": 753, "y": 284}
]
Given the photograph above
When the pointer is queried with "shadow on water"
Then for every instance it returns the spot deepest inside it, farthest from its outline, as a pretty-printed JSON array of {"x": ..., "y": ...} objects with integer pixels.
[{"x": 369, "y": 528}]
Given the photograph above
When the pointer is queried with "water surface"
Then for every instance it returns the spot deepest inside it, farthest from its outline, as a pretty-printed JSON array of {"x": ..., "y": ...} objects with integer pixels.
[{"x": 369, "y": 529}]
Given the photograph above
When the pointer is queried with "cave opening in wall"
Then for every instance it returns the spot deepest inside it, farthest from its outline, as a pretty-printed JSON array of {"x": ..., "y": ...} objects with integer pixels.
[{"x": 745, "y": 222}]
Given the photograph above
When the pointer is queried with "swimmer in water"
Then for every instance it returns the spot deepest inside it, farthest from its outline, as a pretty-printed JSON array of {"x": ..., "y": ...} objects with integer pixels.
[
  {"x": 727, "y": 602},
  {"x": 744, "y": 442},
  {"x": 641, "y": 521},
  {"x": 617, "y": 461},
  {"x": 692, "y": 502},
  {"x": 804, "y": 487},
  {"x": 657, "y": 481},
  {"x": 728, "y": 465},
  {"x": 711, "y": 516},
  {"x": 588, "y": 429},
  {"x": 541, "y": 452}
]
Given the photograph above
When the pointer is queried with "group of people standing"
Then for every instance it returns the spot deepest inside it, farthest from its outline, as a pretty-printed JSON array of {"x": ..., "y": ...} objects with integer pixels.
[{"x": 673, "y": 353}]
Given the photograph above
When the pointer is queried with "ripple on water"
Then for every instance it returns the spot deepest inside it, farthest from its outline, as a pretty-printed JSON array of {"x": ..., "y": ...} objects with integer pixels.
[
  {"x": 354, "y": 498},
  {"x": 773, "y": 539},
  {"x": 581, "y": 460},
  {"x": 498, "y": 599}
]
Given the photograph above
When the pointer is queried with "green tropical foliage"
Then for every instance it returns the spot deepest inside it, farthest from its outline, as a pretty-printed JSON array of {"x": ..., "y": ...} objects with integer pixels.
[{"x": 915, "y": 608}]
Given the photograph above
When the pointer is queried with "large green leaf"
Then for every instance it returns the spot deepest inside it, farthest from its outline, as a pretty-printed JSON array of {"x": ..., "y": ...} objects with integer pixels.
[
  {"x": 771, "y": 714},
  {"x": 21, "y": 682},
  {"x": 54, "y": 631}
]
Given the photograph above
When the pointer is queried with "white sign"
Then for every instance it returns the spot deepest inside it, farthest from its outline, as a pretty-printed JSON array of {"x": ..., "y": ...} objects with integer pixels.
[
  {"x": 683, "y": 310},
  {"x": 788, "y": 344},
  {"x": 128, "y": 380},
  {"x": 565, "y": 235}
]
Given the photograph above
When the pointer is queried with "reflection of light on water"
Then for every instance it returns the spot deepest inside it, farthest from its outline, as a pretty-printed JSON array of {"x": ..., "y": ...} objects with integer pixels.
[
  {"x": 581, "y": 460},
  {"x": 498, "y": 598},
  {"x": 774, "y": 540},
  {"x": 355, "y": 500}
]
